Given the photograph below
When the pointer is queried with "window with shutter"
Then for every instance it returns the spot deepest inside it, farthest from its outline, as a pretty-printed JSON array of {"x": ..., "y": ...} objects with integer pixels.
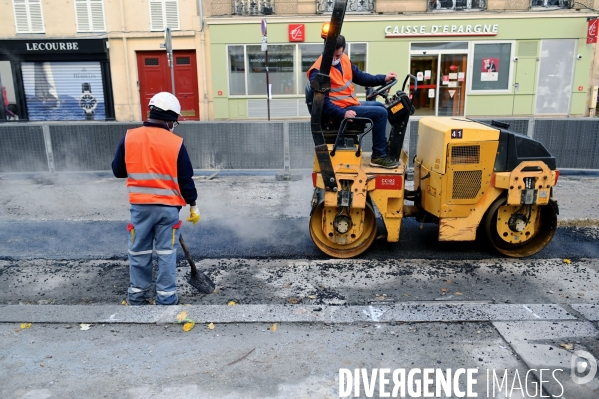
[
  {"x": 90, "y": 15},
  {"x": 28, "y": 16},
  {"x": 164, "y": 13}
]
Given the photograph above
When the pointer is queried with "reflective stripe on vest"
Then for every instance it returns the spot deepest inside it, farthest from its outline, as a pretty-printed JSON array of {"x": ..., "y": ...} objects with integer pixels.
[
  {"x": 342, "y": 92},
  {"x": 339, "y": 98},
  {"x": 338, "y": 89},
  {"x": 151, "y": 157},
  {"x": 149, "y": 190},
  {"x": 151, "y": 176}
]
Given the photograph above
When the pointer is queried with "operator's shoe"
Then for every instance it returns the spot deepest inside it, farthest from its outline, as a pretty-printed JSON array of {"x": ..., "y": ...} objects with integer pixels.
[{"x": 384, "y": 163}]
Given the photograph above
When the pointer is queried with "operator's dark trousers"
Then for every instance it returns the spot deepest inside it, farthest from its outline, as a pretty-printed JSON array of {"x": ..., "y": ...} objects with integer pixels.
[{"x": 378, "y": 113}]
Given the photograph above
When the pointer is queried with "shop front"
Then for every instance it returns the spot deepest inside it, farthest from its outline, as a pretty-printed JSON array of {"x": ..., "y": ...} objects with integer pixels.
[
  {"x": 55, "y": 80},
  {"x": 489, "y": 67},
  {"x": 479, "y": 65}
]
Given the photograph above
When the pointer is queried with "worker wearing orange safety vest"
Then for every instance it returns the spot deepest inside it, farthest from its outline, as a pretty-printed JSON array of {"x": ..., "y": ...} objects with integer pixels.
[
  {"x": 341, "y": 101},
  {"x": 159, "y": 180}
]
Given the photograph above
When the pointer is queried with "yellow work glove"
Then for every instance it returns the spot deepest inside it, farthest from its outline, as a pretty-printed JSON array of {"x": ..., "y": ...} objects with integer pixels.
[{"x": 194, "y": 215}]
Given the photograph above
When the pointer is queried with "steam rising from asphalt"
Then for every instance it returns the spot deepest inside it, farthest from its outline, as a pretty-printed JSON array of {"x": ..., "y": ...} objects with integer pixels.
[
  {"x": 252, "y": 211},
  {"x": 248, "y": 208}
]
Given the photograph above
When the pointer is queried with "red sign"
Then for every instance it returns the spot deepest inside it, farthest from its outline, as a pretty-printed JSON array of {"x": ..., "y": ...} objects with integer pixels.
[
  {"x": 388, "y": 182},
  {"x": 580, "y": 88},
  {"x": 453, "y": 67},
  {"x": 220, "y": 92},
  {"x": 297, "y": 32},
  {"x": 592, "y": 31},
  {"x": 490, "y": 65}
]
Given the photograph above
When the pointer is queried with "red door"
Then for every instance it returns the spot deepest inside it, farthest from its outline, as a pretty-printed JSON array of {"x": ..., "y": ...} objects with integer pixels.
[
  {"x": 155, "y": 76},
  {"x": 186, "y": 84}
]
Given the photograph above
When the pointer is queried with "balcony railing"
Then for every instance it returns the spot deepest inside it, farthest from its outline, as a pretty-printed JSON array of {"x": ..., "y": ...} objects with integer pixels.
[
  {"x": 360, "y": 6},
  {"x": 551, "y": 3},
  {"x": 458, "y": 4},
  {"x": 253, "y": 7}
]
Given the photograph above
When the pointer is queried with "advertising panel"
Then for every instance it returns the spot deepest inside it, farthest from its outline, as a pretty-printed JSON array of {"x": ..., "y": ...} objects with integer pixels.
[{"x": 56, "y": 91}]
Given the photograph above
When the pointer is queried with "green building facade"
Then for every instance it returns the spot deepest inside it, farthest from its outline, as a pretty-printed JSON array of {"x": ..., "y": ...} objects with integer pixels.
[{"x": 468, "y": 64}]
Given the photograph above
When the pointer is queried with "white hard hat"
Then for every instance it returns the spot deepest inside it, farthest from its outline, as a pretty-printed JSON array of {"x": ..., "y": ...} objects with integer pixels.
[{"x": 166, "y": 102}]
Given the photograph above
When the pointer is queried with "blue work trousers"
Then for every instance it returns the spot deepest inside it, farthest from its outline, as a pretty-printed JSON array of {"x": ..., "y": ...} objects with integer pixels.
[
  {"x": 378, "y": 113},
  {"x": 153, "y": 227}
]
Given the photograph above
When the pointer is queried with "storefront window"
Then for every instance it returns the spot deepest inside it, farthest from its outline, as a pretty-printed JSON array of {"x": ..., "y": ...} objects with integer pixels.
[
  {"x": 236, "y": 70},
  {"x": 491, "y": 66},
  {"x": 8, "y": 101},
  {"x": 309, "y": 53},
  {"x": 57, "y": 91},
  {"x": 551, "y": 3},
  {"x": 439, "y": 46},
  {"x": 283, "y": 72},
  {"x": 280, "y": 69},
  {"x": 357, "y": 55}
]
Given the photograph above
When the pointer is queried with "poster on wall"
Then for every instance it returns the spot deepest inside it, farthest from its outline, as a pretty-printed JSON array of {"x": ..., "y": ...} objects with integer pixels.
[
  {"x": 59, "y": 91},
  {"x": 489, "y": 70}
]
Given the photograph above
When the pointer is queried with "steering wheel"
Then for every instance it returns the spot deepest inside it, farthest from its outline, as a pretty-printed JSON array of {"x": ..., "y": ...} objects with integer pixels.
[{"x": 381, "y": 89}]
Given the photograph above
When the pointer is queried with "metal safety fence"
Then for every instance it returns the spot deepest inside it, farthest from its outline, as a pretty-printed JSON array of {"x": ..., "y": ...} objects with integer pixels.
[{"x": 62, "y": 147}]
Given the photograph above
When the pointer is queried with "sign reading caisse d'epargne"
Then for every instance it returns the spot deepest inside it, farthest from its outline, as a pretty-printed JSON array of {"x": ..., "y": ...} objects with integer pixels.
[{"x": 441, "y": 30}]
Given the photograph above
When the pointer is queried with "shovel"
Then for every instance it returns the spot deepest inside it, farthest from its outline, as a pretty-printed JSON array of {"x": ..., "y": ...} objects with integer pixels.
[{"x": 196, "y": 278}]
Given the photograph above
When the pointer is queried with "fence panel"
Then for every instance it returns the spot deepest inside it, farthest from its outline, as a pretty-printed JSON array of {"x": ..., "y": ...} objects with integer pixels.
[
  {"x": 234, "y": 145},
  {"x": 574, "y": 142},
  {"x": 85, "y": 146},
  {"x": 249, "y": 144},
  {"x": 22, "y": 149}
]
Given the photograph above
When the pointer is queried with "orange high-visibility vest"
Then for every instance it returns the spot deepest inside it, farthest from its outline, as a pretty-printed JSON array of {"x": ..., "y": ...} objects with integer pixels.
[
  {"x": 342, "y": 92},
  {"x": 151, "y": 158}
]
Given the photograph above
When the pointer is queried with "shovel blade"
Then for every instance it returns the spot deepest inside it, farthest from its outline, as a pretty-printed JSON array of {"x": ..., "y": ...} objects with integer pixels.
[{"x": 202, "y": 282}]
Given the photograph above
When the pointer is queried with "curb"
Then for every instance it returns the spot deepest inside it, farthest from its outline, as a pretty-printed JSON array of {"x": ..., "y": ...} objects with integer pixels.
[
  {"x": 578, "y": 223},
  {"x": 404, "y": 312}
]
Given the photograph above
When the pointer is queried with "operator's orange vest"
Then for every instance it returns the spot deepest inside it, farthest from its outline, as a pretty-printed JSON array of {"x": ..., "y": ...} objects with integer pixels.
[
  {"x": 151, "y": 157},
  {"x": 342, "y": 92}
]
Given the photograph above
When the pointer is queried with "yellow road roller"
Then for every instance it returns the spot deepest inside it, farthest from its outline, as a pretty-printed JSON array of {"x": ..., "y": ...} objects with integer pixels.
[{"x": 469, "y": 177}]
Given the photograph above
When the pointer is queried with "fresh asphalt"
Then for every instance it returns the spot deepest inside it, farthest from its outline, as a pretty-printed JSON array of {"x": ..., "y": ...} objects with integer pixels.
[{"x": 219, "y": 239}]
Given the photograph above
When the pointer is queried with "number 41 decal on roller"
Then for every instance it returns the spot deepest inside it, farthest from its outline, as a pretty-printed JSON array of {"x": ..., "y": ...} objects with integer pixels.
[{"x": 456, "y": 133}]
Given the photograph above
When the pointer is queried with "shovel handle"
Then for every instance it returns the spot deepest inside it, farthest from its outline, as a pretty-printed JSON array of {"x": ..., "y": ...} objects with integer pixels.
[{"x": 187, "y": 255}]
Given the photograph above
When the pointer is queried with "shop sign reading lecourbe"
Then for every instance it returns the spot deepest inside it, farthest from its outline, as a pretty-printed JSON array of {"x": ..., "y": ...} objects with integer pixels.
[
  {"x": 51, "y": 47},
  {"x": 441, "y": 30}
]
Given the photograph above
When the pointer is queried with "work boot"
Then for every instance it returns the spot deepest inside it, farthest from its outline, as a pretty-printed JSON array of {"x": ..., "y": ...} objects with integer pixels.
[
  {"x": 384, "y": 163},
  {"x": 147, "y": 301},
  {"x": 168, "y": 304}
]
